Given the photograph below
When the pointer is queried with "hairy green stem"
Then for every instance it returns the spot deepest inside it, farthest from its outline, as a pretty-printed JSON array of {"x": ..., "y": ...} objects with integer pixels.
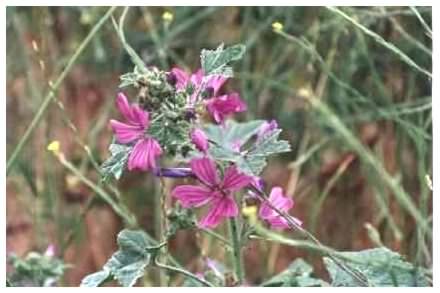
[
  {"x": 236, "y": 256},
  {"x": 216, "y": 236},
  {"x": 51, "y": 94},
  {"x": 183, "y": 272},
  {"x": 158, "y": 228}
]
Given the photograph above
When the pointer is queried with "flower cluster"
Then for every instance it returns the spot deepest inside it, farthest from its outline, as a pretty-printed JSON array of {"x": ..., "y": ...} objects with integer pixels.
[
  {"x": 146, "y": 149},
  {"x": 186, "y": 98},
  {"x": 206, "y": 90}
]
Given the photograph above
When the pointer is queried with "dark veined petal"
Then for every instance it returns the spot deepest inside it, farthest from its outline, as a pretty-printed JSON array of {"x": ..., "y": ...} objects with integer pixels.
[
  {"x": 126, "y": 133},
  {"x": 124, "y": 107},
  {"x": 141, "y": 117},
  {"x": 192, "y": 195},
  {"x": 220, "y": 208},
  {"x": 144, "y": 154},
  {"x": 234, "y": 180},
  {"x": 205, "y": 170}
]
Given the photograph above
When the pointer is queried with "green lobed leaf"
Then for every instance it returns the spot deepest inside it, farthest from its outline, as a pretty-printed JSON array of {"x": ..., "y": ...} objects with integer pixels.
[
  {"x": 127, "y": 264},
  {"x": 232, "y": 132},
  {"x": 115, "y": 164},
  {"x": 381, "y": 267},
  {"x": 217, "y": 61},
  {"x": 254, "y": 161},
  {"x": 130, "y": 240},
  {"x": 251, "y": 159},
  {"x": 298, "y": 274}
]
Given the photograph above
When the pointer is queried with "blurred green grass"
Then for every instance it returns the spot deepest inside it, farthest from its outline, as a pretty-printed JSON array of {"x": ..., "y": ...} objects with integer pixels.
[{"x": 383, "y": 101}]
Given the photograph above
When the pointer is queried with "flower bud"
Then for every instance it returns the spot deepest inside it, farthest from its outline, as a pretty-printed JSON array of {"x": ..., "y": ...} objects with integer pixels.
[
  {"x": 171, "y": 79},
  {"x": 266, "y": 128},
  {"x": 200, "y": 140}
]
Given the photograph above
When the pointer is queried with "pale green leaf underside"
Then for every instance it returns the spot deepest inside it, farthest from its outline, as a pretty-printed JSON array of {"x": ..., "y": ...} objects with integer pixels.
[
  {"x": 381, "y": 267},
  {"x": 217, "y": 62},
  {"x": 127, "y": 264},
  {"x": 251, "y": 159}
]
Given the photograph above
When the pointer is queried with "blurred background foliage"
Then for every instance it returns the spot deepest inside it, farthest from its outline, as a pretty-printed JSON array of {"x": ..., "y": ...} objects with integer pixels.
[{"x": 385, "y": 103}]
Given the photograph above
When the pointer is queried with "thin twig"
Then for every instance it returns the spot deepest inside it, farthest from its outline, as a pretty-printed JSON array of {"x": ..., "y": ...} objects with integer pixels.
[{"x": 295, "y": 226}]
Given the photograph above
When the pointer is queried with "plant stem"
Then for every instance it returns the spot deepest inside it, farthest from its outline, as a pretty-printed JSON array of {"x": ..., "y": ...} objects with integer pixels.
[
  {"x": 51, "y": 94},
  {"x": 183, "y": 272},
  {"x": 120, "y": 209},
  {"x": 359, "y": 277},
  {"x": 158, "y": 228},
  {"x": 268, "y": 235},
  {"x": 383, "y": 42},
  {"x": 217, "y": 236},
  {"x": 236, "y": 256}
]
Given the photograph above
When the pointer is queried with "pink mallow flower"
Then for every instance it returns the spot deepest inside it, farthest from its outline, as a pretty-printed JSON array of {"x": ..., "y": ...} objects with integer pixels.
[
  {"x": 277, "y": 199},
  {"x": 213, "y": 191},
  {"x": 199, "y": 83},
  {"x": 217, "y": 106},
  {"x": 220, "y": 107},
  {"x": 200, "y": 140},
  {"x": 146, "y": 149}
]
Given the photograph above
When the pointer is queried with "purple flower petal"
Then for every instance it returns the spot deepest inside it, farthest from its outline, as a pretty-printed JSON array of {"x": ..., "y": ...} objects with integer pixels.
[
  {"x": 281, "y": 202},
  {"x": 197, "y": 78},
  {"x": 192, "y": 196},
  {"x": 173, "y": 172},
  {"x": 220, "y": 208},
  {"x": 126, "y": 133},
  {"x": 234, "y": 180},
  {"x": 224, "y": 105},
  {"x": 144, "y": 153},
  {"x": 125, "y": 108},
  {"x": 141, "y": 117},
  {"x": 277, "y": 199},
  {"x": 205, "y": 170}
]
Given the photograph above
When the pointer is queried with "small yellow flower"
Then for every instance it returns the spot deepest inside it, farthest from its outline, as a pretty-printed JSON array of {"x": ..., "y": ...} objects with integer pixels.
[
  {"x": 167, "y": 16},
  {"x": 277, "y": 26},
  {"x": 72, "y": 181},
  {"x": 54, "y": 147},
  {"x": 305, "y": 92},
  {"x": 251, "y": 213}
]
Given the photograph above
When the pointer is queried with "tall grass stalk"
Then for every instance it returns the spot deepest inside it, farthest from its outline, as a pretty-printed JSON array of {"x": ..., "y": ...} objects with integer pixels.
[
  {"x": 51, "y": 94},
  {"x": 405, "y": 58}
]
